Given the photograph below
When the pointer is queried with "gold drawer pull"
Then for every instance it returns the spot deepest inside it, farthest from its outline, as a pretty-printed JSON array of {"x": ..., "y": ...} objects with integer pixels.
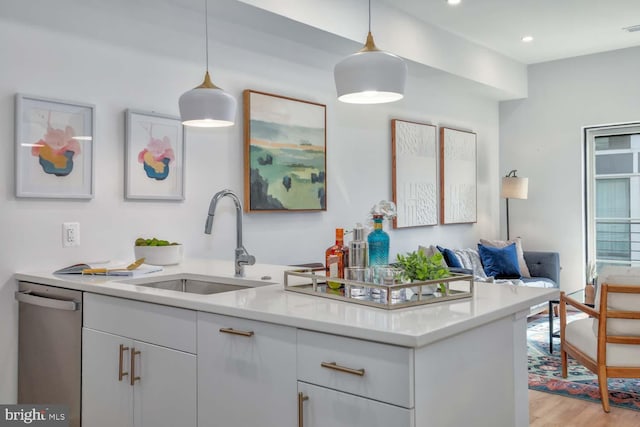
[
  {"x": 236, "y": 332},
  {"x": 133, "y": 377},
  {"x": 122, "y": 374},
  {"x": 301, "y": 399},
  {"x": 336, "y": 367}
]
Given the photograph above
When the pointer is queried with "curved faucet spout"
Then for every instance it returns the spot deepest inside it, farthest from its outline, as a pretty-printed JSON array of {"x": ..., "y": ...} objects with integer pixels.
[{"x": 242, "y": 257}]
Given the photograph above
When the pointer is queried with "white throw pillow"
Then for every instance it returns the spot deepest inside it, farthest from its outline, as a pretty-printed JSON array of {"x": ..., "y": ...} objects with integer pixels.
[
  {"x": 430, "y": 251},
  {"x": 524, "y": 270},
  {"x": 470, "y": 259}
]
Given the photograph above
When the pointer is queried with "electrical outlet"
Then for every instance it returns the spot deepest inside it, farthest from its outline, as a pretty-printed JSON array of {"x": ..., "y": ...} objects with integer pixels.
[{"x": 70, "y": 234}]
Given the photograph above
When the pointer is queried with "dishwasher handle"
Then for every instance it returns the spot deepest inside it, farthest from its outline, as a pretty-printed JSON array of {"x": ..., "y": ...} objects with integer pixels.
[{"x": 28, "y": 298}]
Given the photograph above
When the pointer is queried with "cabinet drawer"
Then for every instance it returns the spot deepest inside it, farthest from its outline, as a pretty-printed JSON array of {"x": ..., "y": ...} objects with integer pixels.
[
  {"x": 246, "y": 372},
  {"x": 329, "y": 408},
  {"x": 387, "y": 369},
  {"x": 153, "y": 323}
]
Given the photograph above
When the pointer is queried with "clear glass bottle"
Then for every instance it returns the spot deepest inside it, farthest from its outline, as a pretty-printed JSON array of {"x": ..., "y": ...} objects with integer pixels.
[
  {"x": 336, "y": 259},
  {"x": 378, "y": 241}
]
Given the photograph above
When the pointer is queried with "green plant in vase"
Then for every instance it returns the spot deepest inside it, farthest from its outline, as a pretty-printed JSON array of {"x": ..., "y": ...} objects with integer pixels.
[{"x": 417, "y": 267}]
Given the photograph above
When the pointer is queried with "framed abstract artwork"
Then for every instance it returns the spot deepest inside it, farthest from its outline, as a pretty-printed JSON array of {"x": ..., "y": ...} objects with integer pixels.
[
  {"x": 54, "y": 148},
  {"x": 285, "y": 159},
  {"x": 154, "y": 156},
  {"x": 414, "y": 173},
  {"x": 458, "y": 187}
]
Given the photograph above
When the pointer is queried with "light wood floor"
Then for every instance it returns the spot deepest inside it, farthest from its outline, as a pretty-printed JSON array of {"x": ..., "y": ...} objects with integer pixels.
[{"x": 550, "y": 410}]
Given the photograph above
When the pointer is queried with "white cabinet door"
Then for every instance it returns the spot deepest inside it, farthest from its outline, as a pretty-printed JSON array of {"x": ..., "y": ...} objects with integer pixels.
[
  {"x": 246, "y": 373},
  {"x": 165, "y": 394},
  {"x": 107, "y": 401},
  {"x": 330, "y": 408}
]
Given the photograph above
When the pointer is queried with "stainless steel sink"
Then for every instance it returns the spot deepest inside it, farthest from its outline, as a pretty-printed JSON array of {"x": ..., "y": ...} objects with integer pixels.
[{"x": 193, "y": 286}]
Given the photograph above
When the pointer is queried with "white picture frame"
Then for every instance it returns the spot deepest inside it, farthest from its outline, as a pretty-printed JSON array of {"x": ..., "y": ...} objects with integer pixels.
[
  {"x": 54, "y": 155},
  {"x": 154, "y": 156},
  {"x": 414, "y": 149},
  {"x": 458, "y": 177}
]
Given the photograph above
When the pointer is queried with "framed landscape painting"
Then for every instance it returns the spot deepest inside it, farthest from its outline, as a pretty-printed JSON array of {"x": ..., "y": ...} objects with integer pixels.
[
  {"x": 414, "y": 173},
  {"x": 154, "y": 156},
  {"x": 458, "y": 187},
  {"x": 284, "y": 154},
  {"x": 54, "y": 148}
]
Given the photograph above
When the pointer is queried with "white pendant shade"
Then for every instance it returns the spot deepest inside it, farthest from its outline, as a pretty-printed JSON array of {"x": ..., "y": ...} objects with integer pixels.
[
  {"x": 207, "y": 106},
  {"x": 514, "y": 187},
  {"x": 370, "y": 76}
]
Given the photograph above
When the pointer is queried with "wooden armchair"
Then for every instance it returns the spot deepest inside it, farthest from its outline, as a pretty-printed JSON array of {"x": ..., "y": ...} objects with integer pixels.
[{"x": 608, "y": 342}]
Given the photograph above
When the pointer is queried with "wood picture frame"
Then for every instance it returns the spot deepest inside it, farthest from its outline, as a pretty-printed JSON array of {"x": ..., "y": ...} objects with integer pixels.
[
  {"x": 54, "y": 155},
  {"x": 154, "y": 156},
  {"x": 285, "y": 158},
  {"x": 458, "y": 176},
  {"x": 414, "y": 148}
]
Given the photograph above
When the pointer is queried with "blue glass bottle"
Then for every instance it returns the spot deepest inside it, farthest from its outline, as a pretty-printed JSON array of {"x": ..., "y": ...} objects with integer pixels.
[{"x": 378, "y": 241}]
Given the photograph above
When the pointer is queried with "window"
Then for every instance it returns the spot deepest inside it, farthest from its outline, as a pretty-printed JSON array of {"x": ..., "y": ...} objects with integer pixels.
[{"x": 612, "y": 181}]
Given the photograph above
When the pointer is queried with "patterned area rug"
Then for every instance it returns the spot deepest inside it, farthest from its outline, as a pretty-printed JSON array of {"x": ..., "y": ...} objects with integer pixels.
[{"x": 545, "y": 370}]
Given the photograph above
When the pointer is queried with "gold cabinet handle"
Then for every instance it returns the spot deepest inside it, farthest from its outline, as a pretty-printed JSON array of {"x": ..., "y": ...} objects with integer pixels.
[
  {"x": 336, "y": 367},
  {"x": 122, "y": 374},
  {"x": 133, "y": 377},
  {"x": 236, "y": 332},
  {"x": 301, "y": 399}
]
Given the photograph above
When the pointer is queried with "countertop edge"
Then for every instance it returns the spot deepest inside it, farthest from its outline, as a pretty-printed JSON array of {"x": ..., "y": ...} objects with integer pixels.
[{"x": 195, "y": 302}]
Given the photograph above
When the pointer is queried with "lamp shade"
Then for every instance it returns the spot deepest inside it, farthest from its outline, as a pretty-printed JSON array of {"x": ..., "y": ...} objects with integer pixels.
[
  {"x": 370, "y": 76},
  {"x": 207, "y": 106},
  {"x": 515, "y": 187}
]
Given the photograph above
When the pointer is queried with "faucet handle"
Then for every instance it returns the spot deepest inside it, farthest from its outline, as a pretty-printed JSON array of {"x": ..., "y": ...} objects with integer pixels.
[{"x": 243, "y": 257}]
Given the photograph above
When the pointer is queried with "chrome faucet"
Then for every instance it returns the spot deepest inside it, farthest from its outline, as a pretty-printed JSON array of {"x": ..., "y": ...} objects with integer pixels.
[{"x": 242, "y": 257}]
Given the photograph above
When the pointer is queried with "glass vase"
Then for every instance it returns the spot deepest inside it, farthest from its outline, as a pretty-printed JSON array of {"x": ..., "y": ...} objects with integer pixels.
[{"x": 378, "y": 242}]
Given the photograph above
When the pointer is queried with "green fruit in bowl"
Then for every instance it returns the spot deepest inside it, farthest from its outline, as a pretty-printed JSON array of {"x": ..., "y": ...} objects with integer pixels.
[{"x": 153, "y": 242}]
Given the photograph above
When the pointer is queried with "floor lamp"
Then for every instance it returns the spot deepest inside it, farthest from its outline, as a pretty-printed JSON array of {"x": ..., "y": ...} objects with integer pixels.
[{"x": 513, "y": 187}]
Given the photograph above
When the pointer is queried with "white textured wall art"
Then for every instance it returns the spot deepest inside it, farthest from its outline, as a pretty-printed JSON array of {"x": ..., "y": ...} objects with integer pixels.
[
  {"x": 415, "y": 173},
  {"x": 458, "y": 192}
]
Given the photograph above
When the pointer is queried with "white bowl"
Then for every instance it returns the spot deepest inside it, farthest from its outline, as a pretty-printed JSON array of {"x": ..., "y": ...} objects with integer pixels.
[{"x": 159, "y": 255}]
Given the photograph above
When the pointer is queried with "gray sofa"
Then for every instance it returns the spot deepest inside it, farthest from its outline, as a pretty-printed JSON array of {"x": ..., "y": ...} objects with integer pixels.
[{"x": 543, "y": 266}]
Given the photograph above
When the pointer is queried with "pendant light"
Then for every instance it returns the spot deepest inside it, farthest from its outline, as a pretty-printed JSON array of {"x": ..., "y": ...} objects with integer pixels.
[
  {"x": 371, "y": 75},
  {"x": 207, "y": 105}
]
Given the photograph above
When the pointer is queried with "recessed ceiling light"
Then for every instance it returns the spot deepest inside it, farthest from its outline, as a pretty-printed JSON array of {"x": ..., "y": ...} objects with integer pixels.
[
  {"x": 453, "y": 2},
  {"x": 527, "y": 39}
]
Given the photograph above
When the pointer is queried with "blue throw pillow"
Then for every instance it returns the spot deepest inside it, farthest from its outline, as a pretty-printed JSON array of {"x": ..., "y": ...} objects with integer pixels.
[
  {"x": 501, "y": 263},
  {"x": 450, "y": 257}
]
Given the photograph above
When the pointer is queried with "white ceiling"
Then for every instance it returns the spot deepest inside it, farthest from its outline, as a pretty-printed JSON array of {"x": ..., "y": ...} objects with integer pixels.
[{"x": 561, "y": 28}]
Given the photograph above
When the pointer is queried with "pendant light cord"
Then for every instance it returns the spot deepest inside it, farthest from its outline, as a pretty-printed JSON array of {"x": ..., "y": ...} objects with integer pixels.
[
  {"x": 369, "y": 15},
  {"x": 206, "y": 31}
]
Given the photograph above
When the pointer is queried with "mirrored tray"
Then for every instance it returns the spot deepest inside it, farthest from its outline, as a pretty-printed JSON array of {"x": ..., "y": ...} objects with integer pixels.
[{"x": 389, "y": 297}]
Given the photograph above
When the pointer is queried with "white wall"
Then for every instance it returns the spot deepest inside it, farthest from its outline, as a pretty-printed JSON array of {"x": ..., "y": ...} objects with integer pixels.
[
  {"x": 541, "y": 137},
  {"x": 58, "y": 64}
]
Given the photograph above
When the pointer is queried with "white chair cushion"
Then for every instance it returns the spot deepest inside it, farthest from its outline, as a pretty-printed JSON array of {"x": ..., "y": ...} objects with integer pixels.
[
  {"x": 580, "y": 334},
  {"x": 620, "y": 276}
]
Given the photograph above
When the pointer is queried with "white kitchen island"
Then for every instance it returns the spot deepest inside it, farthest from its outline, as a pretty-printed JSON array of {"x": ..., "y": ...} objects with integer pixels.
[{"x": 263, "y": 356}]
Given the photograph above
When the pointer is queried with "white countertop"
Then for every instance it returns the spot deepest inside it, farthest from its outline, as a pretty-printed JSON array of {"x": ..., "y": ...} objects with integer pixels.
[{"x": 266, "y": 300}]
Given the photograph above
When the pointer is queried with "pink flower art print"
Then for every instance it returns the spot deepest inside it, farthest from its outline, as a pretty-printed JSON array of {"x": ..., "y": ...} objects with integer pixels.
[
  {"x": 56, "y": 150},
  {"x": 156, "y": 157}
]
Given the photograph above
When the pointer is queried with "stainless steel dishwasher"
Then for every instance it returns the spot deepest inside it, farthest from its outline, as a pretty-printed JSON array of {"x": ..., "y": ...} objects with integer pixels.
[{"x": 50, "y": 347}]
